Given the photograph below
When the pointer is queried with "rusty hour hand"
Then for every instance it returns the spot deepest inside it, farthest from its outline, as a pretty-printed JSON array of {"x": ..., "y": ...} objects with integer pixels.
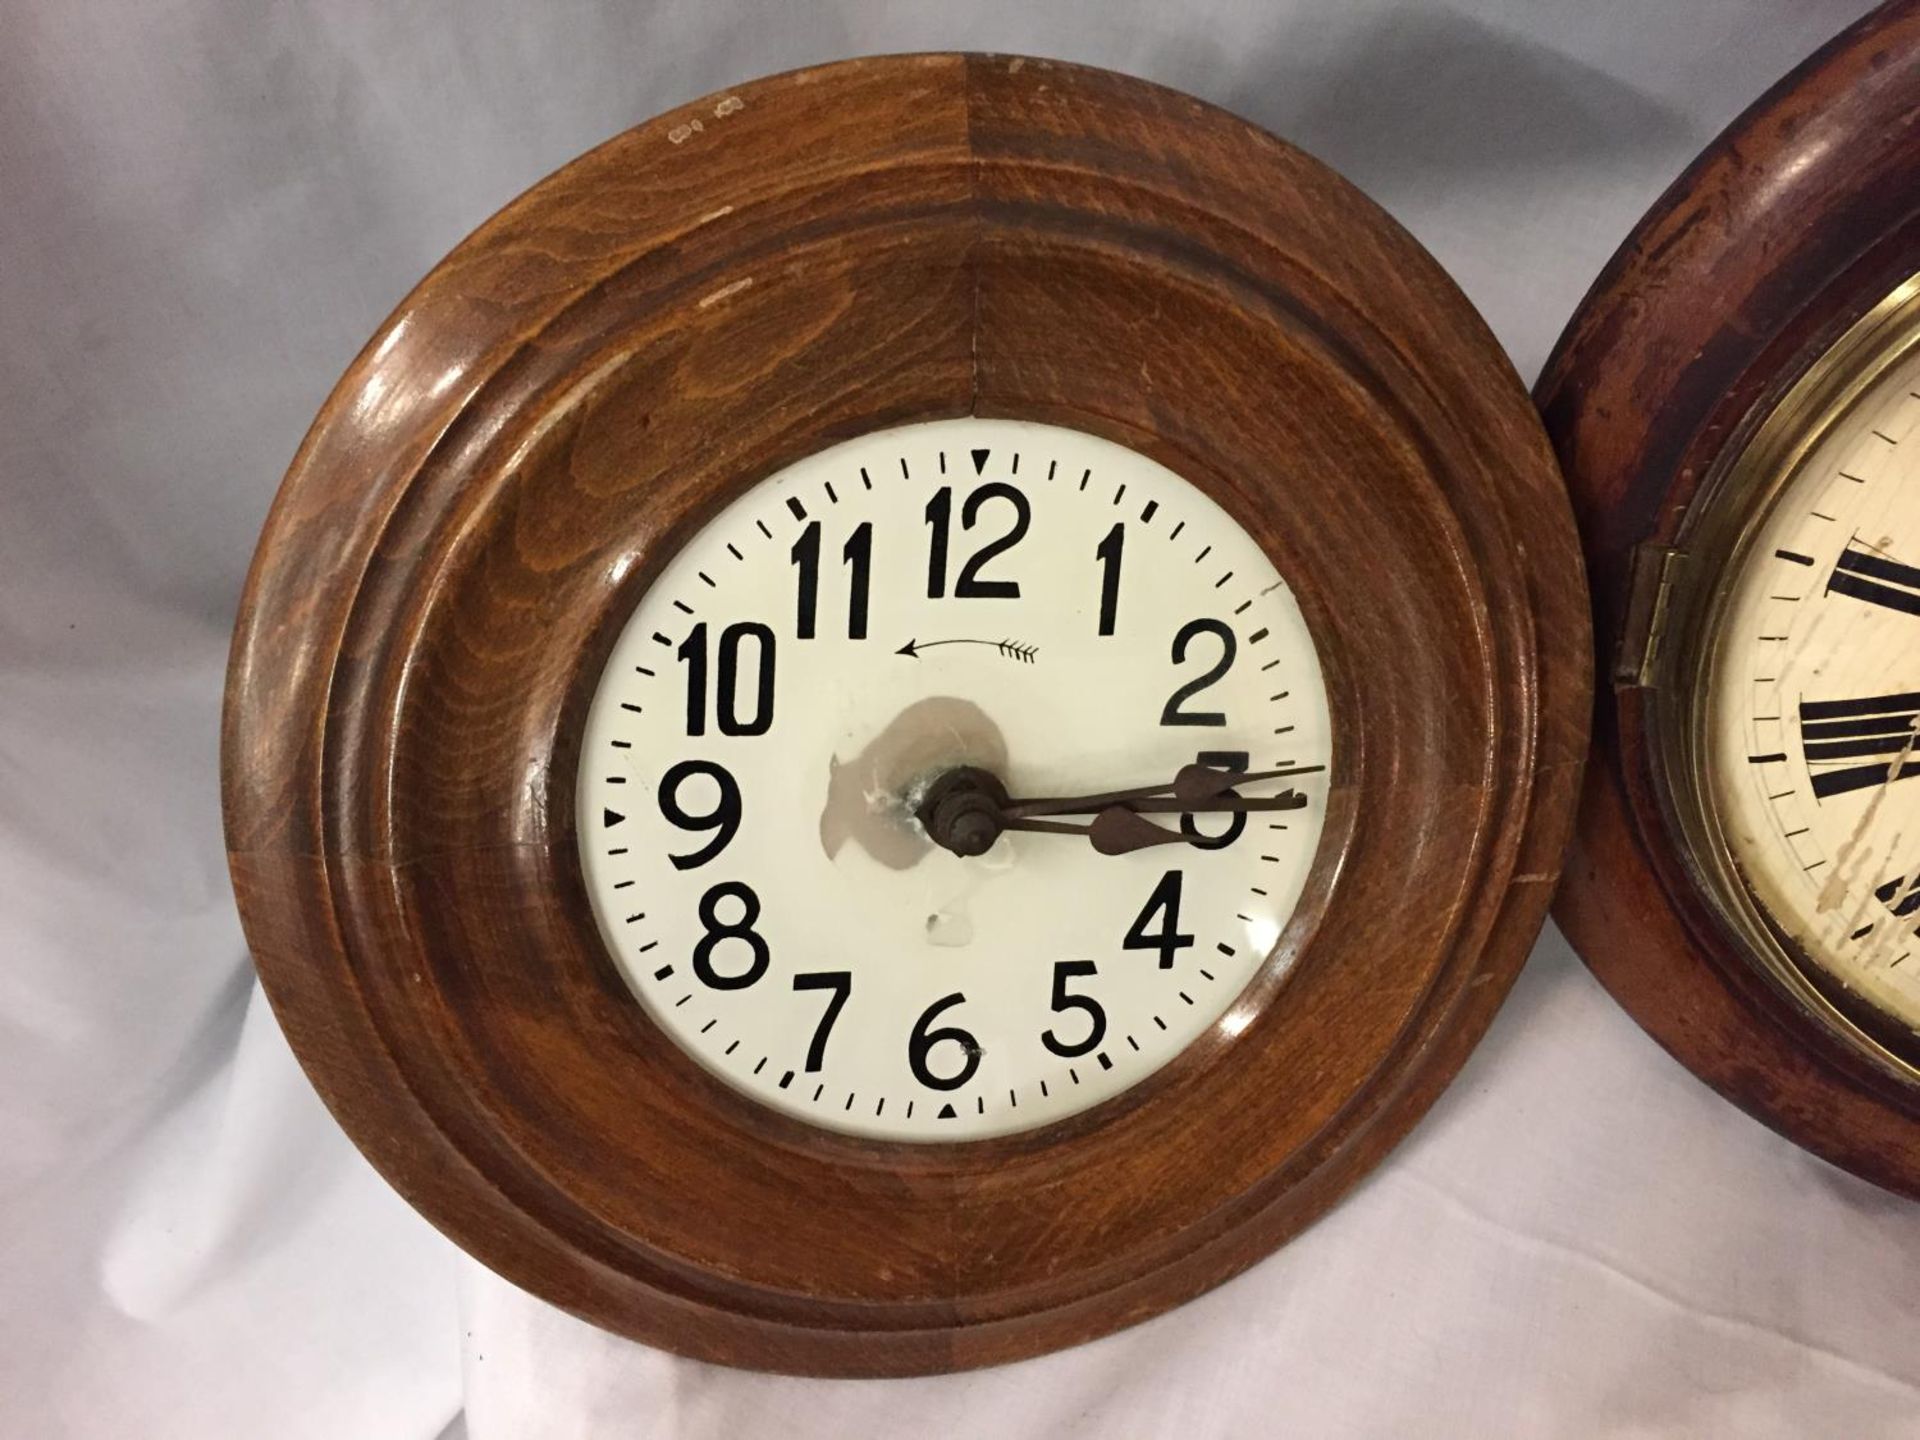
[{"x": 1116, "y": 830}]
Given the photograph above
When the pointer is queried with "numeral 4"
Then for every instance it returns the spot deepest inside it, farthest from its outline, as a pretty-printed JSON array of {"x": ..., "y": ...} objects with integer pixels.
[{"x": 1165, "y": 901}]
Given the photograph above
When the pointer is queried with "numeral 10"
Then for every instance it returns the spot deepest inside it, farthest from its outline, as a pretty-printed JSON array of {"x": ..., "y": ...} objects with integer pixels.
[{"x": 693, "y": 654}]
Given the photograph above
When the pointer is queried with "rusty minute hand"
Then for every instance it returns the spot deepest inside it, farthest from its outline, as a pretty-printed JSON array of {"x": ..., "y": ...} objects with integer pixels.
[
  {"x": 1197, "y": 789},
  {"x": 966, "y": 809}
]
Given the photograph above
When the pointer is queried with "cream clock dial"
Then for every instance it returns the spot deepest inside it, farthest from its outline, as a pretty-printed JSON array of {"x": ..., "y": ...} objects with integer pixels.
[
  {"x": 828, "y": 656},
  {"x": 1815, "y": 698}
]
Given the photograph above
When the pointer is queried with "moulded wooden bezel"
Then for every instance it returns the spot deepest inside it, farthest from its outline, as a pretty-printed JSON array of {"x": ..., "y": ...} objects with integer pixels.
[
  {"x": 1794, "y": 224},
  {"x": 676, "y": 315}
]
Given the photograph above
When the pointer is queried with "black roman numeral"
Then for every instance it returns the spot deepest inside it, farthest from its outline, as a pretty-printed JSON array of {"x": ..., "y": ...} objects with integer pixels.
[
  {"x": 1901, "y": 895},
  {"x": 1877, "y": 580},
  {"x": 1837, "y": 734}
]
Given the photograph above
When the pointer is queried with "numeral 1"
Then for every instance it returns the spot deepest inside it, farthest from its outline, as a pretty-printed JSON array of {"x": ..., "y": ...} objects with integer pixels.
[
  {"x": 1108, "y": 554},
  {"x": 939, "y": 520}
]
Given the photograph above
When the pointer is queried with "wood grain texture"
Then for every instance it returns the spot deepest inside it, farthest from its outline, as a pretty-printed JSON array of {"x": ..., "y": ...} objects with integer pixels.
[
  {"x": 682, "y": 312},
  {"x": 1788, "y": 228}
]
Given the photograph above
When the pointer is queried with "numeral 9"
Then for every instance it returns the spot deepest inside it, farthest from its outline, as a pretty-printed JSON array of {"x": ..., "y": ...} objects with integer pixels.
[{"x": 723, "y": 818}]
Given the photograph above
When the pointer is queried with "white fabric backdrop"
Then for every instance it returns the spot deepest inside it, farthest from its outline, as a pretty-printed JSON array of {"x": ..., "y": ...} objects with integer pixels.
[{"x": 205, "y": 207}]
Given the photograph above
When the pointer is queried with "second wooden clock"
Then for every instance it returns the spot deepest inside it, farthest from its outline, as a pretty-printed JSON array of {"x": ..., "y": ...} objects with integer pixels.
[{"x": 902, "y": 718}]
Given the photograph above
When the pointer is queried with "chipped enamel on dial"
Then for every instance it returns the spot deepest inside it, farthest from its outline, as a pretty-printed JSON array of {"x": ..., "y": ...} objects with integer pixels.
[
  {"x": 1814, "y": 697},
  {"x": 1034, "y": 601}
]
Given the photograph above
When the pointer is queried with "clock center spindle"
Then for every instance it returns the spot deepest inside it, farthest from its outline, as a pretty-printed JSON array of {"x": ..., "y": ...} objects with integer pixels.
[{"x": 964, "y": 810}]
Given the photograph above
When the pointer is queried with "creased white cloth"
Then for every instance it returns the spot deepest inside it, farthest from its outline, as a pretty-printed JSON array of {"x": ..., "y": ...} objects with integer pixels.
[{"x": 205, "y": 207}]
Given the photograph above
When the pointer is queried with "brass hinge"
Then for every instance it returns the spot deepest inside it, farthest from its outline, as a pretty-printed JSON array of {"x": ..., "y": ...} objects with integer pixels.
[{"x": 1649, "y": 581}]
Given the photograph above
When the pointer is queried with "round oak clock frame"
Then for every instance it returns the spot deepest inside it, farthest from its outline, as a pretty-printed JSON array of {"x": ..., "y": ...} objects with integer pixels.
[
  {"x": 688, "y": 308},
  {"x": 1794, "y": 225}
]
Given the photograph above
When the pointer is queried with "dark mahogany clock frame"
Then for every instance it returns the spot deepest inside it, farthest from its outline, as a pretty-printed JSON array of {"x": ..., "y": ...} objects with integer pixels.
[
  {"x": 676, "y": 315},
  {"x": 1792, "y": 225}
]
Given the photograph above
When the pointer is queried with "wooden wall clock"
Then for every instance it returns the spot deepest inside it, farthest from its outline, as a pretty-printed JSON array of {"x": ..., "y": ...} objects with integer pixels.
[
  {"x": 906, "y": 715},
  {"x": 1737, "y": 408}
]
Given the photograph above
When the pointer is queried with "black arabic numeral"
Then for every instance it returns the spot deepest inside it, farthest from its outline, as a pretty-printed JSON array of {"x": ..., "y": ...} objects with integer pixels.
[
  {"x": 693, "y": 653},
  {"x": 723, "y": 818},
  {"x": 858, "y": 554},
  {"x": 1108, "y": 554},
  {"x": 1173, "y": 714},
  {"x": 970, "y": 586},
  {"x": 806, "y": 556},
  {"x": 1063, "y": 971},
  {"x": 718, "y": 930},
  {"x": 840, "y": 982},
  {"x": 1167, "y": 939},
  {"x": 939, "y": 517},
  {"x": 1235, "y": 761},
  {"x": 922, "y": 1041}
]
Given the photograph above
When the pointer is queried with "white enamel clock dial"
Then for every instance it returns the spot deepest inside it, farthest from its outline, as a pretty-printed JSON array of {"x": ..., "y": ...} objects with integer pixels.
[
  {"x": 1050, "y": 607},
  {"x": 1815, "y": 697}
]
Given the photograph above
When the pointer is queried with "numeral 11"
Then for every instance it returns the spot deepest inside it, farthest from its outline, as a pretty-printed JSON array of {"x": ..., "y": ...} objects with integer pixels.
[{"x": 857, "y": 553}]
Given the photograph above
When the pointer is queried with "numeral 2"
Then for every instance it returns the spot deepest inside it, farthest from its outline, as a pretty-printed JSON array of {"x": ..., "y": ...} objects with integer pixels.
[{"x": 1189, "y": 632}]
